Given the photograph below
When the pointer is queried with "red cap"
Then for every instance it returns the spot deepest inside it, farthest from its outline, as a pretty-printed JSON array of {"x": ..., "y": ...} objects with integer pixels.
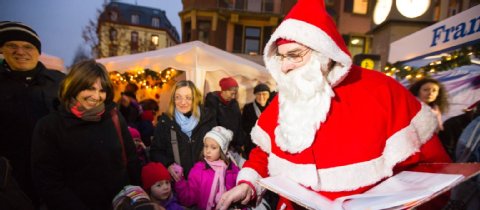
[
  {"x": 227, "y": 83},
  {"x": 152, "y": 173},
  {"x": 281, "y": 41}
]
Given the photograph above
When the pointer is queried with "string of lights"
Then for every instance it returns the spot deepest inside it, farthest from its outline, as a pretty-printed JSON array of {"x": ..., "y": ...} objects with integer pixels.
[
  {"x": 145, "y": 78},
  {"x": 453, "y": 60}
]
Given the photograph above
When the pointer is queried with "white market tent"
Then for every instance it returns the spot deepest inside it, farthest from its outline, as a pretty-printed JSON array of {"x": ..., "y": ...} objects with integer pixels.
[
  {"x": 431, "y": 43},
  {"x": 203, "y": 64},
  {"x": 52, "y": 62}
]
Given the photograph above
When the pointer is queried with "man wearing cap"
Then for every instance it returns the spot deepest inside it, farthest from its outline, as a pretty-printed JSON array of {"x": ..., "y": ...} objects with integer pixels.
[
  {"x": 252, "y": 111},
  {"x": 335, "y": 128},
  {"x": 227, "y": 110},
  {"x": 27, "y": 92}
]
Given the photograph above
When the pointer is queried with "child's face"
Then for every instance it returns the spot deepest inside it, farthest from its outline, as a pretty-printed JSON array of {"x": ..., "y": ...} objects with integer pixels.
[
  {"x": 161, "y": 190},
  {"x": 211, "y": 150}
]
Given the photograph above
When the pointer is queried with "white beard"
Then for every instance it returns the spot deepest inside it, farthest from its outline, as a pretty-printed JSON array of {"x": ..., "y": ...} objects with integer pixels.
[{"x": 304, "y": 101}]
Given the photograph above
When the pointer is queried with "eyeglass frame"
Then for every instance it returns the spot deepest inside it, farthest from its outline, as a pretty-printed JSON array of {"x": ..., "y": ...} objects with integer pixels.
[
  {"x": 291, "y": 58},
  {"x": 14, "y": 47},
  {"x": 181, "y": 98}
]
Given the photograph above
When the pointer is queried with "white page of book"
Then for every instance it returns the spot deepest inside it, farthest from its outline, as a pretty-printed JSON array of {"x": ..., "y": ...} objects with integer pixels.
[
  {"x": 295, "y": 192},
  {"x": 401, "y": 189}
]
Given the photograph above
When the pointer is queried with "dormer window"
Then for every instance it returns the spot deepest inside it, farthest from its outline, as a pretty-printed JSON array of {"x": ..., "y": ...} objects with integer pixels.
[
  {"x": 156, "y": 22},
  {"x": 113, "y": 15},
  {"x": 135, "y": 19}
]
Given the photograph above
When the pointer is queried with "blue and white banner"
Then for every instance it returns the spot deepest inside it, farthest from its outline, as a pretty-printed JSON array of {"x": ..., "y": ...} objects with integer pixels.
[
  {"x": 453, "y": 32},
  {"x": 463, "y": 87}
]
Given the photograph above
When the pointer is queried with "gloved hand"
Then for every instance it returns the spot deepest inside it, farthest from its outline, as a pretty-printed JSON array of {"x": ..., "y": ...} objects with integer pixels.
[{"x": 176, "y": 171}]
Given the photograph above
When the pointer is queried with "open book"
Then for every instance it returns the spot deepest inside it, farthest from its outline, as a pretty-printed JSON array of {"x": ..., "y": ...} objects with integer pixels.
[{"x": 404, "y": 190}]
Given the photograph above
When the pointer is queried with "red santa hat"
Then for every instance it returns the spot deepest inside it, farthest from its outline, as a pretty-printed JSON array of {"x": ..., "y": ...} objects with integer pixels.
[
  {"x": 152, "y": 173},
  {"x": 309, "y": 24}
]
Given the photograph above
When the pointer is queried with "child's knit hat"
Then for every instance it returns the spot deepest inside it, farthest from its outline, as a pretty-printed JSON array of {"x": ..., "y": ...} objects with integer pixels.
[
  {"x": 152, "y": 173},
  {"x": 221, "y": 135}
]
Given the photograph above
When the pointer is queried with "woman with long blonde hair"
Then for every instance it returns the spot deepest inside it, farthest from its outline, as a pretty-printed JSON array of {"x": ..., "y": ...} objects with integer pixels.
[{"x": 178, "y": 137}]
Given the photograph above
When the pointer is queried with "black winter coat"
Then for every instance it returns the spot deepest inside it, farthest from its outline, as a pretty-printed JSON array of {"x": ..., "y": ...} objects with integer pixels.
[
  {"x": 78, "y": 164},
  {"x": 228, "y": 116},
  {"x": 249, "y": 118},
  {"x": 22, "y": 103},
  {"x": 189, "y": 148}
]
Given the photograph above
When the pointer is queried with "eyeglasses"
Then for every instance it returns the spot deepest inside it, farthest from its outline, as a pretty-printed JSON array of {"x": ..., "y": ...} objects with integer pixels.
[
  {"x": 180, "y": 98},
  {"x": 294, "y": 58},
  {"x": 14, "y": 47}
]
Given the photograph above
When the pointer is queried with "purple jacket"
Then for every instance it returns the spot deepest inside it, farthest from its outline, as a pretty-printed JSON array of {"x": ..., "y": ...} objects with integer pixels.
[
  {"x": 196, "y": 190},
  {"x": 171, "y": 203}
]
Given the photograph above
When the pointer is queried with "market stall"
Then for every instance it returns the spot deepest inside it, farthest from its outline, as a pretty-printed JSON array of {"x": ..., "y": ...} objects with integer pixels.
[{"x": 205, "y": 65}]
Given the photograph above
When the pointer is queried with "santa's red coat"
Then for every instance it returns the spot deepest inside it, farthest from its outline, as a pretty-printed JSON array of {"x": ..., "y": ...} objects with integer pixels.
[{"x": 374, "y": 128}]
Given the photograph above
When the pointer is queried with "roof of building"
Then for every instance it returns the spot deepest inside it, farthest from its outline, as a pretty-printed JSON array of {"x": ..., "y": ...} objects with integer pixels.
[{"x": 145, "y": 14}]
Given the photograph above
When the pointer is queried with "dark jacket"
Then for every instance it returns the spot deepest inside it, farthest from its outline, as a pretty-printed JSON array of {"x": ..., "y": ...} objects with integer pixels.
[
  {"x": 78, "y": 164},
  {"x": 189, "y": 148},
  {"x": 228, "y": 116},
  {"x": 249, "y": 118},
  {"x": 11, "y": 196},
  {"x": 22, "y": 103}
]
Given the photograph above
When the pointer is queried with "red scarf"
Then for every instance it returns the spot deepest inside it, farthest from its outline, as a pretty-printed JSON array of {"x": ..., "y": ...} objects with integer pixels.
[{"x": 93, "y": 114}]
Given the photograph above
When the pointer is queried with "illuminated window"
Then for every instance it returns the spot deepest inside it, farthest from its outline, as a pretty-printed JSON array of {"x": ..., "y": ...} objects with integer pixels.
[
  {"x": 154, "y": 40},
  {"x": 356, "y": 45},
  {"x": 359, "y": 7}
]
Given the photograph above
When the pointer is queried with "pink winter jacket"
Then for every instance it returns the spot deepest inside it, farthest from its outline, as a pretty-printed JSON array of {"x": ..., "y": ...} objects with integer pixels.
[{"x": 196, "y": 189}]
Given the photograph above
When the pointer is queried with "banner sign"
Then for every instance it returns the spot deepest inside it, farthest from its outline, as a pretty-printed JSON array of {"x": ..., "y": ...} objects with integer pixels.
[{"x": 462, "y": 28}]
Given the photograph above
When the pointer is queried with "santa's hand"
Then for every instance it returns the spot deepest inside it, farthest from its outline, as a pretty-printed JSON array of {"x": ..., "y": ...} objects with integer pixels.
[{"x": 241, "y": 193}]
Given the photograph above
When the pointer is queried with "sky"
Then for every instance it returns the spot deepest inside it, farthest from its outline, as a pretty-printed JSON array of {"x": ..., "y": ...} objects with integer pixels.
[{"x": 59, "y": 23}]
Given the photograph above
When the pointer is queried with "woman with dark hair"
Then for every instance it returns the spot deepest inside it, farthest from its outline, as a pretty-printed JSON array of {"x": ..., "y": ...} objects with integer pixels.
[
  {"x": 178, "y": 137},
  {"x": 83, "y": 154},
  {"x": 432, "y": 92}
]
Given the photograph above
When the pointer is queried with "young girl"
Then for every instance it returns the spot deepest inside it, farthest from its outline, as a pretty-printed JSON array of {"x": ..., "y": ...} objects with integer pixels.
[
  {"x": 156, "y": 181},
  {"x": 212, "y": 175}
]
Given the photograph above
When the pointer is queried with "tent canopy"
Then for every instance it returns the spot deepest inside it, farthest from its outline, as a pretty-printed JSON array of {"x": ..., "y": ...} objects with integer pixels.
[{"x": 196, "y": 59}]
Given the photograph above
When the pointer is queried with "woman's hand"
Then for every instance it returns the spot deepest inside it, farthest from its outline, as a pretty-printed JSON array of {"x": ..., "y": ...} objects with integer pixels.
[{"x": 242, "y": 193}]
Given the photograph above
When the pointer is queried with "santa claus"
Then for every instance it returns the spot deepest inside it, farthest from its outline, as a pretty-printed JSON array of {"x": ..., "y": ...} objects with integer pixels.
[{"x": 334, "y": 128}]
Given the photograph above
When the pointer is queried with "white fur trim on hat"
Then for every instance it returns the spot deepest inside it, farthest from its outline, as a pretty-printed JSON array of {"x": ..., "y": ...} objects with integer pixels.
[
  {"x": 221, "y": 135},
  {"x": 314, "y": 38}
]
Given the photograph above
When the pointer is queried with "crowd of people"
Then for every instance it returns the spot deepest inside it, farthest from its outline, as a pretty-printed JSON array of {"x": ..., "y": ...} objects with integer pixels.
[{"x": 331, "y": 126}]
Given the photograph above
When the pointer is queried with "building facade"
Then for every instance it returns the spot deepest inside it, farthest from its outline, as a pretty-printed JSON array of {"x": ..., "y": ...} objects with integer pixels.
[
  {"x": 128, "y": 29},
  {"x": 237, "y": 26}
]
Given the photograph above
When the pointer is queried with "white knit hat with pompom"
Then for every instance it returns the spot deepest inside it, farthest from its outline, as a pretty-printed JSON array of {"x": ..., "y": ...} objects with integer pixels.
[{"x": 221, "y": 135}]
